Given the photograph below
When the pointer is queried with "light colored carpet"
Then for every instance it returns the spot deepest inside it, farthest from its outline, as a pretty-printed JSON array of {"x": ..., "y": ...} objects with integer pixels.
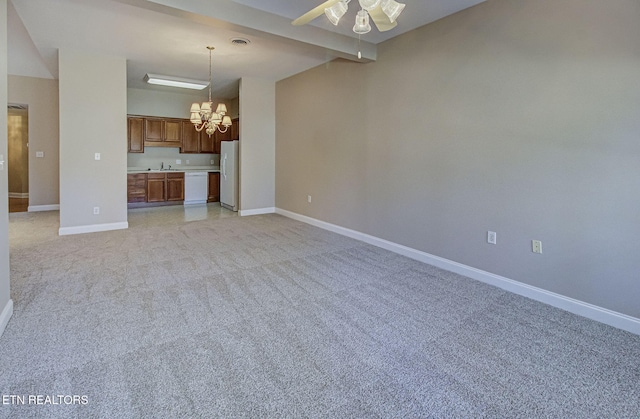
[{"x": 264, "y": 316}]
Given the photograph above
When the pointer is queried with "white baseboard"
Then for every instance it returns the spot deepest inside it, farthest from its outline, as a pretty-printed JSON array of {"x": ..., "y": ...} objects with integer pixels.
[
  {"x": 258, "y": 211},
  {"x": 581, "y": 308},
  {"x": 38, "y": 208},
  {"x": 65, "y": 231},
  {"x": 19, "y": 195},
  {"x": 6, "y": 314}
]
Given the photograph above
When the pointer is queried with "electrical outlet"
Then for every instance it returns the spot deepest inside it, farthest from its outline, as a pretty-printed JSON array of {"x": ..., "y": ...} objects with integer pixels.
[
  {"x": 491, "y": 237},
  {"x": 536, "y": 246},
  {"x": 179, "y": 161},
  {"x": 39, "y": 154},
  {"x": 309, "y": 198},
  {"x": 186, "y": 162},
  {"x": 96, "y": 210},
  {"x": 211, "y": 161}
]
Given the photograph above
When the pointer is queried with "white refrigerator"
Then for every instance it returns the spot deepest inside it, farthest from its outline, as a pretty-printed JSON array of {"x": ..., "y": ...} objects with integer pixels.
[{"x": 229, "y": 174}]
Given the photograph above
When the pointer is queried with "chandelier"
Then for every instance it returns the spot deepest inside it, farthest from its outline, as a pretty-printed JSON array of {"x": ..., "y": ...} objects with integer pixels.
[{"x": 203, "y": 117}]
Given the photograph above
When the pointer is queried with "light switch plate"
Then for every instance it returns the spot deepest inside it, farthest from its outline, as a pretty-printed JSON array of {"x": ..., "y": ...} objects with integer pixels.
[
  {"x": 1, "y": 161},
  {"x": 39, "y": 154},
  {"x": 97, "y": 156}
]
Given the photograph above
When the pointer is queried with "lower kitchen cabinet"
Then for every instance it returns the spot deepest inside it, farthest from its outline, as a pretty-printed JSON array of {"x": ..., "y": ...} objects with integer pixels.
[
  {"x": 156, "y": 187},
  {"x": 163, "y": 187},
  {"x": 137, "y": 187},
  {"x": 175, "y": 186},
  {"x": 214, "y": 187}
]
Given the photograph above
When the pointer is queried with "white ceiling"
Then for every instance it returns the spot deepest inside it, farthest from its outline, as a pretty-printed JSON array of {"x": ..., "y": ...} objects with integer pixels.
[{"x": 169, "y": 36}]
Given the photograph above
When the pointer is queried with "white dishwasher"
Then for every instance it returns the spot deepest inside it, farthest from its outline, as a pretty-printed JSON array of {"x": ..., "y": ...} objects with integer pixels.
[{"x": 196, "y": 187}]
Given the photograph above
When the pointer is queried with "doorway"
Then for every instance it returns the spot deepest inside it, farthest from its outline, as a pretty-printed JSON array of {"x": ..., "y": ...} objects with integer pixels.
[{"x": 18, "y": 157}]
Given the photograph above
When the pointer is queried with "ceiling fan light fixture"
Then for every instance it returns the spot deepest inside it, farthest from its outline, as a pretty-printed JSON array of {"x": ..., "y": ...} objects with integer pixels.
[
  {"x": 369, "y": 4},
  {"x": 392, "y": 9},
  {"x": 362, "y": 25},
  {"x": 335, "y": 12}
]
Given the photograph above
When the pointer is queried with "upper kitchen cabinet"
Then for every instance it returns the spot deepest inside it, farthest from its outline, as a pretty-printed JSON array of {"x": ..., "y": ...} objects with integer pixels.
[
  {"x": 196, "y": 142},
  {"x": 207, "y": 143},
  {"x": 162, "y": 132},
  {"x": 235, "y": 129},
  {"x": 135, "y": 134},
  {"x": 190, "y": 138},
  {"x": 152, "y": 131},
  {"x": 219, "y": 137},
  {"x": 173, "y": 130}
]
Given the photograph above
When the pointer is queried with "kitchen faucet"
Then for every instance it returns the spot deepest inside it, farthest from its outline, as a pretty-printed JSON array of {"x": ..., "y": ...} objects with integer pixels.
[{"x": 161, "y": 165}]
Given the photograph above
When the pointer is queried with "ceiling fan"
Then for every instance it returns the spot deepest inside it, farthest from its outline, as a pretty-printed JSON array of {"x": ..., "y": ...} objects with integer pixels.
[{"x": 383, "y": 13}]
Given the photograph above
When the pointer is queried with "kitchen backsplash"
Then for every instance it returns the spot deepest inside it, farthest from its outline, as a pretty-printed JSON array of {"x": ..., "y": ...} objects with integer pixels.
[{"x": 153, "y": 157}]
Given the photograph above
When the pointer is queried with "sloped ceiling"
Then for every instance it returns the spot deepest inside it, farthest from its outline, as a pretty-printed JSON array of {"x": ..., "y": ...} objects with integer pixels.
[{"x": 170, "y": 36}]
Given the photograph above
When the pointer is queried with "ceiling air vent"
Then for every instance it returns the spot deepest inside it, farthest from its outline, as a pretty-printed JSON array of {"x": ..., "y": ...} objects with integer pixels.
[{"x": 240, "y": 42}]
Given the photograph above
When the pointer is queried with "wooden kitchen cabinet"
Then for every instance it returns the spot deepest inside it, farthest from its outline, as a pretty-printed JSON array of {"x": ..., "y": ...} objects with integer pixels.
[
  {"x": 135, "y": 135},
  {"x": 214, "y": 187},
  {"x": 175, "y": 186},
  {"x": 151, "y": 131},
  {"x": 194, "y": 141},
  {"x": 207, "y": 143},
  {"x": 219, "y": 137},
  {"x": 163, "y": 187},
  {"x": 190, "y": 138},
  {"x": 173, "y": 131},
  {"x": 136, "y": 187},
  {"x": 162, "y": 132},
  {"x": 154, "y": 129},
  {"x": 156, "y": 187},
  {"x": 235, "y": 129}
]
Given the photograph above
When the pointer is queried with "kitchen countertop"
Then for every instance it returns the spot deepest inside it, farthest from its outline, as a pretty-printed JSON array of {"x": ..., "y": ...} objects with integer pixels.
[{"x": 132, "y": 170}]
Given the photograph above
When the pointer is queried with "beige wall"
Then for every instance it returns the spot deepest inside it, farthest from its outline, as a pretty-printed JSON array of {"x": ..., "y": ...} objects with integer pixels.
[
  {"x": 5, "y": 295},
  {"x": 41, "y": 96},
  {"x": 519, "y": 117},
  {"x": 93, "y": 119},
  {"x": 257, "y": 146}
]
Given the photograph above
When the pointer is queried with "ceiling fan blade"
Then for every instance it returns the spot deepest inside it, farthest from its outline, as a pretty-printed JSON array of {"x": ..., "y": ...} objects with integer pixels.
[
  {"x": 381, "y": 19},
  {"x": 314, "y": 13}
]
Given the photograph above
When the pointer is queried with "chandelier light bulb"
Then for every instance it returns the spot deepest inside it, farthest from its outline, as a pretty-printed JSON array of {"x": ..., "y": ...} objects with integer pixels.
[
  {"x": 392, "y": 9},
  {"x": 335, "y": 12},
  {"x": 369, "y": 4},
  {"x": 362, "y": 25}
]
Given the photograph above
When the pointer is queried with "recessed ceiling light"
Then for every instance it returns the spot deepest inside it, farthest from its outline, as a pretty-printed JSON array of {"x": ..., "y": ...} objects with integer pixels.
[
  {"x": 240, "y": 42},
  {"x": 173, "y": 81}
]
